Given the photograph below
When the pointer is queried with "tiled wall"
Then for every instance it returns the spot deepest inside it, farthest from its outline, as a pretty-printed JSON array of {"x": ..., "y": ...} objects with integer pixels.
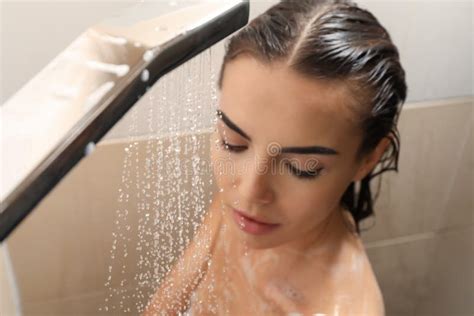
[
  {"x": 421, "y": 246},
  {"x": 8, "y": 294},
  {"x": 416, "y": 27},
  {"x": 62, "y": 252}
]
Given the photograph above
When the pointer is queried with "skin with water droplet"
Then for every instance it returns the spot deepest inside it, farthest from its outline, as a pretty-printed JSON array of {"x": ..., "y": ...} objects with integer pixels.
[{"x": 280, "y": 279}]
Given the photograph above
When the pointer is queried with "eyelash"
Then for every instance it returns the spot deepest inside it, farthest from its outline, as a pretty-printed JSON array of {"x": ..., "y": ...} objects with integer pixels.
[{"x": 305, "y": 175}]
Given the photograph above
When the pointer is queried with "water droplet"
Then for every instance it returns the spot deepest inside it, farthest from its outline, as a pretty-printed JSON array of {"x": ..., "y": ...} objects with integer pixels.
[
  {"x": 145, "y": 75},
  {"x": 90, "y": 147},
  {"x": 148, "y": 55}
]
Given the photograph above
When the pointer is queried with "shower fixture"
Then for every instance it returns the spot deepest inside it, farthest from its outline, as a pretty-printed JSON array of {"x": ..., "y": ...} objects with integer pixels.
[{"x": 56, "y": 119}]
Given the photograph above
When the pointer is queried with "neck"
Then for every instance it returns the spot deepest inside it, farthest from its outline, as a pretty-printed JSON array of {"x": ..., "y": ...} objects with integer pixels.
[
  {"x": 323, "y": 236},
  {"x": 323, "y": 240}
]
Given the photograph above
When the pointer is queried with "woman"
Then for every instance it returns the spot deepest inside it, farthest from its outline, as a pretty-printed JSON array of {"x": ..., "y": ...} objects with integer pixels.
[{"x": 310, "y": 97}]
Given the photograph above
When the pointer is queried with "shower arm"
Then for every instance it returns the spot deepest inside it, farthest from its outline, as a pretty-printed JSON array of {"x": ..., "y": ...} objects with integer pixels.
[{"x": 57, "y": 117}]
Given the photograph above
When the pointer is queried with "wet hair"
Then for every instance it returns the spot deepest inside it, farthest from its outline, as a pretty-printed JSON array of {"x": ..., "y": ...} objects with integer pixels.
[{"x": 336, "y": 41}]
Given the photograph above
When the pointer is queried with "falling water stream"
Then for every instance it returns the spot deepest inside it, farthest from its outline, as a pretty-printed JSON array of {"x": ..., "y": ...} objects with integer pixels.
[{"x": 165, "y": 185}]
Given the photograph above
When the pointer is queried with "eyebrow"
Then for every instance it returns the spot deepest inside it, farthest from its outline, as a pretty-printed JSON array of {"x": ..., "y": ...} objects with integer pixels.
[{"x": 297, "y": 150}]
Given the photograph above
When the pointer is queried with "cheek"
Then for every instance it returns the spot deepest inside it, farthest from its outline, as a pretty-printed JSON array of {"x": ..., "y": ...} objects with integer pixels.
[
  {"x": 310, "y": 207},
  {"x": 314, "y": 202}
]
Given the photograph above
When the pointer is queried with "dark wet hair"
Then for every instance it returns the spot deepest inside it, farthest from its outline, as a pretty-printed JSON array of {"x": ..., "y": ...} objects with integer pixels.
[{"x": 338, "y": 41}]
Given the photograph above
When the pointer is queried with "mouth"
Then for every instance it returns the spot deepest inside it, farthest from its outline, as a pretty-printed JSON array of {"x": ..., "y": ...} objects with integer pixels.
[{"x": 251, "y": 225}]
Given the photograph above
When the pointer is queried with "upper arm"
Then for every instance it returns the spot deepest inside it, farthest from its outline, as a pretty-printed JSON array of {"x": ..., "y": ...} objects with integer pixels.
[
  {"x": 175, "y": 290},
  {"x": 363, "y": 299},
  {"x": 351, "y": 288},
  {"x": 371, "y": 298}
]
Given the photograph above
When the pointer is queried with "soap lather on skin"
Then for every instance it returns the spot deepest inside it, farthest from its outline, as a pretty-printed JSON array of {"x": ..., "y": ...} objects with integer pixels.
[{"x": 284, "y": 296}]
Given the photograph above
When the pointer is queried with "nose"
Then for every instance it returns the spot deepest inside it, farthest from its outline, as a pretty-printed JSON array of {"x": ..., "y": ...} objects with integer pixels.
[{"x": 255, "y": 182}]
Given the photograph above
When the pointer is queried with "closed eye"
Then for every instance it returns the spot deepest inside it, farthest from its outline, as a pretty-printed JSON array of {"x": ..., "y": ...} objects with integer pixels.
[
  {"x": 301, "y": 174},
  {"x": 232, "y": 148},
  {"x": 310, "y": 174}
]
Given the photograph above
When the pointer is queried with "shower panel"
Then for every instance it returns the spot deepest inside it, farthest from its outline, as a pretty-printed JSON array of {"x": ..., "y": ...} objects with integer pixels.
[{"x": 57, "y": 117}]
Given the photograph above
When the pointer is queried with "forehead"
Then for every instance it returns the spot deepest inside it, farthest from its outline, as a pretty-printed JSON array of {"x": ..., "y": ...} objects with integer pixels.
[{"x": 274, "y": 102}]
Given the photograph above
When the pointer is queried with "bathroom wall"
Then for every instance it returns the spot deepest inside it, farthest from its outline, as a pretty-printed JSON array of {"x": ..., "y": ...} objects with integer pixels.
[
  {"x": 434, "y": 38},
  {"x": 33, "y": 32},
  {"x": 8, "y": 296},
  {"x": 420, "y": 244},
  {"x": 61, "y": 254}
]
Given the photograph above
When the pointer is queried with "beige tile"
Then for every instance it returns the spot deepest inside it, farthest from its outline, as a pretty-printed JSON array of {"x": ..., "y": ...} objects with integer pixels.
[
  {"x": 93, "y": 304},
  {"x": 459, "y": 210},
  {"x": 451, "y": 276},
  {"x": 430, "y": 274},
  {"x": 402, "y": 272},
  {"x": 56, "y": 251},
  {"x": 426, "y": 192},
  {"x": 63, "y": 249},
  {"x": 8, "y": 304}
]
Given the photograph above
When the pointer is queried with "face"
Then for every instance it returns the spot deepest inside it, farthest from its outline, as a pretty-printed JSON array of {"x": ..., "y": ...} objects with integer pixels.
[{"x": 283, "y": 151}]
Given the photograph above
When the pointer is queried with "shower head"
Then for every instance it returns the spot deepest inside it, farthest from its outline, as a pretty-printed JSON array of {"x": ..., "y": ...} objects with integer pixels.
[{"x": 57, "y": 117}]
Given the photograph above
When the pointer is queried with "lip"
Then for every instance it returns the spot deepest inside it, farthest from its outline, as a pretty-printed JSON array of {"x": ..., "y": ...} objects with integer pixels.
[{"x": 251, "y": 225}]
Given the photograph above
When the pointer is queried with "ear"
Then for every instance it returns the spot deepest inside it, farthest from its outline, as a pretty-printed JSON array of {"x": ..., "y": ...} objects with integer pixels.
[{"x": 371, "y": 160}]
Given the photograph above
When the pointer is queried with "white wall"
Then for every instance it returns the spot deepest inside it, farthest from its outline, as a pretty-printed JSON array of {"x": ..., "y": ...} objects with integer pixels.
[
  {"x": 434, "y": 38},
  {"x": 33, "y": 32},
  {"x": 435, "y": 43}
]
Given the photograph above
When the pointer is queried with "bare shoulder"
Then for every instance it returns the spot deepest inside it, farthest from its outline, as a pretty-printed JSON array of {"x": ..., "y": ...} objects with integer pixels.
[
  {"x": 175, "y": 290},
  {"x": 363, "y": 286},
  {"x": 354, "y": 289},
  {"x": 366, "y": 288},
  {"x": 338, "y": 281}
]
